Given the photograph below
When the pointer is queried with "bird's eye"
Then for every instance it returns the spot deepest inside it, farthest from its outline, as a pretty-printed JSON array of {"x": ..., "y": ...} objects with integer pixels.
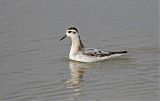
[
  {"x": 74, "y": 32},
  {"x": 69, "y": 31}
]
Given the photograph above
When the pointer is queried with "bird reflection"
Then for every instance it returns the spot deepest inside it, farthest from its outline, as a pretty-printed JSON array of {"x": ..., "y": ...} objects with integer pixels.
[{"x": 77, "y": 70}]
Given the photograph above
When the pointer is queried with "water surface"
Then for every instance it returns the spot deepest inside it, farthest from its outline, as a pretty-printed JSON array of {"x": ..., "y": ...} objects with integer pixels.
[{"x": 34, "y": 65}]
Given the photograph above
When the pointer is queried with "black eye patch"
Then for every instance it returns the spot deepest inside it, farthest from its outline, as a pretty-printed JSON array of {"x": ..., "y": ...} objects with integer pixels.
[{"x": 72, "y": 32}]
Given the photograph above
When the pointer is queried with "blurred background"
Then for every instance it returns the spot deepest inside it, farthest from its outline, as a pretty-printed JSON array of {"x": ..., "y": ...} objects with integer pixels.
[{"x": 34, "y": 64}]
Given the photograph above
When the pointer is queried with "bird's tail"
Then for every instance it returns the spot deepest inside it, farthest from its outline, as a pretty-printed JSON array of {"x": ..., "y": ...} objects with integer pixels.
[{"x": 120, "y": 52}]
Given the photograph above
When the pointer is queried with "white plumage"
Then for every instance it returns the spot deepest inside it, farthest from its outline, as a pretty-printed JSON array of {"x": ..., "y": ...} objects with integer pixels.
[{"x": 79, "y": 52}]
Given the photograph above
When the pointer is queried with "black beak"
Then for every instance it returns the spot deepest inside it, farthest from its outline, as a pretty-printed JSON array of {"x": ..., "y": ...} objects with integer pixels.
[{"x": 63, "y": 37}]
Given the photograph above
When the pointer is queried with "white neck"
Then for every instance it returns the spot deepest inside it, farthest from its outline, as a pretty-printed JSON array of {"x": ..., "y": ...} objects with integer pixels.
[{"x": 76, "y": 45}]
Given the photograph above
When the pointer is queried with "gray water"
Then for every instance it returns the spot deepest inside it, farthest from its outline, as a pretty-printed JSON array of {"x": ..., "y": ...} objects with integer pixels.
[{"x": 34, "y": 65}]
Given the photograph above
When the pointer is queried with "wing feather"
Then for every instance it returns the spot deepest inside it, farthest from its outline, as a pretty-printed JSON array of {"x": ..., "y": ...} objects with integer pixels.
[{"x": 95, "y": 52}]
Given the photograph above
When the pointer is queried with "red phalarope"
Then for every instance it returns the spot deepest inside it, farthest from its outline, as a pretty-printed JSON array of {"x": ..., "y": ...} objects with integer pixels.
[{"x": 79, "y": 52}]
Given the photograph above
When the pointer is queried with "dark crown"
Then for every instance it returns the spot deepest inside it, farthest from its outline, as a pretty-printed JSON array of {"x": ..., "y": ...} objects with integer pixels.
[{"x": 73, "y": 28}]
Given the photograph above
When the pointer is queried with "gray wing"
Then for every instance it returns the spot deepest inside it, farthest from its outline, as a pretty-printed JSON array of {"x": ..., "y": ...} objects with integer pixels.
[
  {"x": 99, "y": 53},
  {"x": 95, "y": 52}
]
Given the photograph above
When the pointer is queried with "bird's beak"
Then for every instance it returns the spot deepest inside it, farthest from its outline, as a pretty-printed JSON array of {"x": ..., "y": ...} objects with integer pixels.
[{"x": 63, "y": 37}]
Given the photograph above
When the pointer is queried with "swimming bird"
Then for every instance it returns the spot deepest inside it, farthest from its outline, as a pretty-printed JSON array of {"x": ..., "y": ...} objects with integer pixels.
[{"x": 79, "y": 52}]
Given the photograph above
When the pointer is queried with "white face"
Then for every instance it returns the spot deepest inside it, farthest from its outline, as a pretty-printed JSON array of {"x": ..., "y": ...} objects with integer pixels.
[{"x": 71, "y": 33}]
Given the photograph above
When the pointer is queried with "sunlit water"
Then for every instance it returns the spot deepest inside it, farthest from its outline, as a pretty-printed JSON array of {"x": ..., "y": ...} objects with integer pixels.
[{"x": 34, "y": 65}]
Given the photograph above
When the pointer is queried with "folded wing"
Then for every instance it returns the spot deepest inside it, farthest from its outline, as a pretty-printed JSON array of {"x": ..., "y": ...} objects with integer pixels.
[{"x": 99, "y": 53}]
